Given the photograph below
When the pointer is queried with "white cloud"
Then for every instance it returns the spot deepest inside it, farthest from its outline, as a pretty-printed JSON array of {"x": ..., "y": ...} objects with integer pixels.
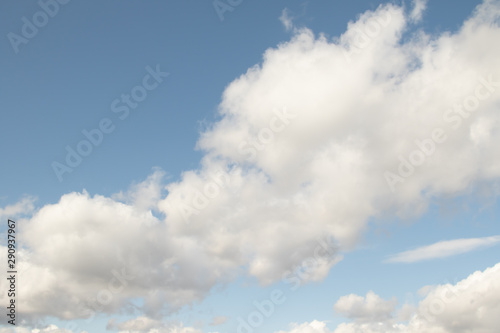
[
  {"x": 444, "y": 249},
  {"x": 23, "y": 207},
  {"x": 299, "y": 153},
  {"x": 219, "y": 320},
  {"x": 419, "y": 7},
  {"x": 365, "y": 309},
  {"x": 286, "y": 19},
  {"x": 90, "y": 253},
  {"x": 471, "y": 305},
  {"x": 144, "y": 195}
]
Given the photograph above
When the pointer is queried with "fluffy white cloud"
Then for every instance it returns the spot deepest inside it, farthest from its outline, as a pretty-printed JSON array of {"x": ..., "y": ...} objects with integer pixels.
[
  {"x": 92, "y": 254},
  {"x": 444, "y": 249},
  {"x": 352, "y": 122},
  {"x": 365, "y": 309},
  {"x": 471, "y": 305},
  {"x": 319, "y": 138}
]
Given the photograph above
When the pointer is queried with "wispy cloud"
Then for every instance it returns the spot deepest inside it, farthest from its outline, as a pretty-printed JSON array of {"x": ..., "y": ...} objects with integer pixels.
[
  {"x": 443, "y": 249},
  {"x": 23, "y": 207},
  {"x": 286, "y": 19},
  {"x": 419, "y": 7}
]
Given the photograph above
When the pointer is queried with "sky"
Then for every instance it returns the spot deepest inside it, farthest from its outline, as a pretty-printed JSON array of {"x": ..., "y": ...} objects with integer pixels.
[{"x": 250, "y": 166}]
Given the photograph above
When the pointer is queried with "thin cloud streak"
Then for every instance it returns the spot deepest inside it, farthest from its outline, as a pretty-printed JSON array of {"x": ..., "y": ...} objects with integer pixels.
[{"x": 443, "y": 249}]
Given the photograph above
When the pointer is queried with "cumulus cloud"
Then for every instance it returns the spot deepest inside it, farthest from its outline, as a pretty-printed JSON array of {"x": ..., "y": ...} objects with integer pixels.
[
  {"x": 317, "y": 139},
  {"x": 91, "y": 254},
  {"x": 444, "y": 249},
  {"x": 471, "y": 305},
  {"x": 365, "y": 309}
]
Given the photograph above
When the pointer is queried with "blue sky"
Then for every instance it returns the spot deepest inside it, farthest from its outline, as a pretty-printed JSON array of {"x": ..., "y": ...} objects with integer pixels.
[
  {"x": 210, "y": 79},
  {"x": 82, "y": 60}
]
